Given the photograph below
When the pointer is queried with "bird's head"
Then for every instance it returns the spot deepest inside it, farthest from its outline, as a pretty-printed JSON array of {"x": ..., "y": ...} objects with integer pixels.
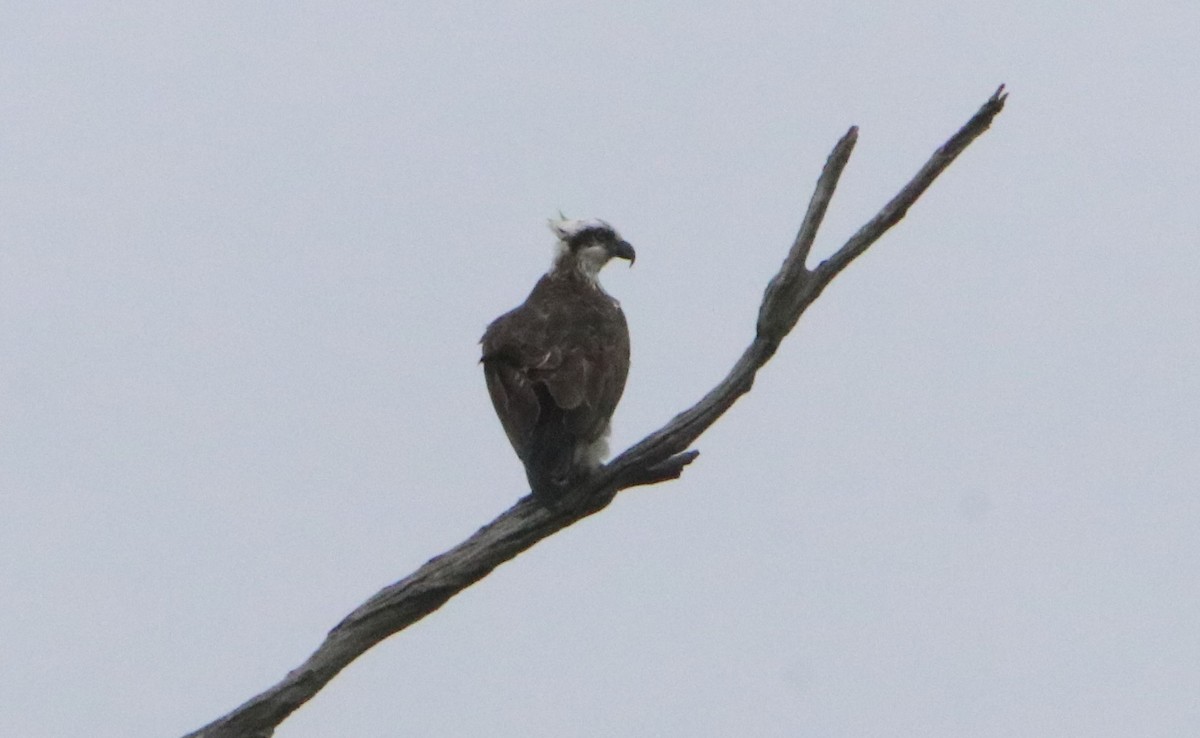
[{"x": 586, "y": 246}]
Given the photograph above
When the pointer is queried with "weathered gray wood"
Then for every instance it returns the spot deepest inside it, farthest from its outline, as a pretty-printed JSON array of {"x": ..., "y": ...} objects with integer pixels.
[{"x": 659, "y": 457}]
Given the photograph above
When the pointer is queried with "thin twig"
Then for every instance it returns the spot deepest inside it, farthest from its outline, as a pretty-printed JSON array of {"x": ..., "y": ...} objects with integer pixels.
[{"x": 660, "y": 456}]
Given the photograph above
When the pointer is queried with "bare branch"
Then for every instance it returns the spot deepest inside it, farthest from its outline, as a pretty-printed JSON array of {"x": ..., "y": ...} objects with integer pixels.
[
  {"x": 659, "y": 457},
  {"x": 781, "y": 305},
  {"x": 899, "y": 205}
]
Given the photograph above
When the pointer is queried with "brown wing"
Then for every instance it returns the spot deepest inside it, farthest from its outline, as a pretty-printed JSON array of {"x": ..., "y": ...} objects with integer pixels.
[
  {"x": 555, "y": 369},
  {"x": 513, "y": 394}
]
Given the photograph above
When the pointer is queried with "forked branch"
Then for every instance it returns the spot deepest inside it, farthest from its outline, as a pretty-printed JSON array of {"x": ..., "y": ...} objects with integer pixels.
[{"x": 659, "y": 457}]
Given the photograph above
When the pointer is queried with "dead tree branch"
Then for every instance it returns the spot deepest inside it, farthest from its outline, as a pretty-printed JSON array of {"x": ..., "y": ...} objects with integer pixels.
[{"x": 659, "y": 457}]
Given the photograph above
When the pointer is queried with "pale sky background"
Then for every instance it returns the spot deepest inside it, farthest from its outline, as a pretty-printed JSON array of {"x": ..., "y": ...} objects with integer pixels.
[{"x": 247, "y": 250}]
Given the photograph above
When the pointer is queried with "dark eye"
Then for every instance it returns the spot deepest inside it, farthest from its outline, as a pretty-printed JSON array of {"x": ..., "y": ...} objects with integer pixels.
[{"x": 588, "y": 237}]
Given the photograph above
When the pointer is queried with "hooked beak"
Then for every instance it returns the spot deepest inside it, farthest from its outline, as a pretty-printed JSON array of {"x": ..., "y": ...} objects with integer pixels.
[{"x": 623, "y": 250}]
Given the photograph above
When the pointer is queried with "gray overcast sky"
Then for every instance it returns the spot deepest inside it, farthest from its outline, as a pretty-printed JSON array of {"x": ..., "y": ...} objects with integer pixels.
[{"x": 247, "y": 249}]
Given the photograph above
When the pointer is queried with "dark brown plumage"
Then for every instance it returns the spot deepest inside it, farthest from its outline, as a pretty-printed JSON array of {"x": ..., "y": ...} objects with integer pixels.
[{"x": 556, "y": 365}]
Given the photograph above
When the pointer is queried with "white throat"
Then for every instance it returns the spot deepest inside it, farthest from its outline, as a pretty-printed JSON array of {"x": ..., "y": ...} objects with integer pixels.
[{"x": 588, "y": 261}]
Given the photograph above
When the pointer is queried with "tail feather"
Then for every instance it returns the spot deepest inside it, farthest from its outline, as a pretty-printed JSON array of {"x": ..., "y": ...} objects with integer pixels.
[{"x": 550, "y": 467}]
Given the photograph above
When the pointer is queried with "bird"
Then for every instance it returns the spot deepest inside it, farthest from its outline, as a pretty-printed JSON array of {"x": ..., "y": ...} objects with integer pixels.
[{"x": 556, "y": 365}]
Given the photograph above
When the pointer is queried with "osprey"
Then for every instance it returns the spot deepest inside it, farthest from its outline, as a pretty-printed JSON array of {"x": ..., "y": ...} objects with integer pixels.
[{"x": 556, "y": 365}]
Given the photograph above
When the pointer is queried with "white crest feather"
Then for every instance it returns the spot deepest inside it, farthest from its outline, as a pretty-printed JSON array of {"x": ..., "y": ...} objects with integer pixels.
[{"x": 565, "y": 228}]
